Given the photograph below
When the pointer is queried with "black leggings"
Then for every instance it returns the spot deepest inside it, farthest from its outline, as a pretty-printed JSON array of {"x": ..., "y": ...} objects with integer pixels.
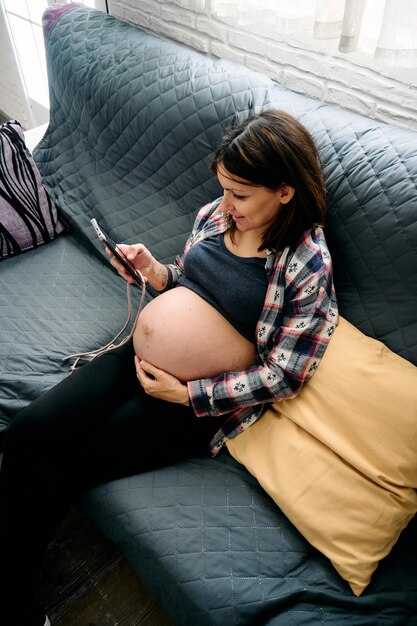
[{"x": 96, "y": 425}]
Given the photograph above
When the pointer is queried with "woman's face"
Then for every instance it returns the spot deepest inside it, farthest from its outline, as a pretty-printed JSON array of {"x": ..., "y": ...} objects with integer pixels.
[{"x": 251, "y": 208}]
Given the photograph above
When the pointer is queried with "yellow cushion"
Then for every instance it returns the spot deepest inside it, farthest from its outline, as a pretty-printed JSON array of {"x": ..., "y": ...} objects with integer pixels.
[{"x": 340, "y": 459}]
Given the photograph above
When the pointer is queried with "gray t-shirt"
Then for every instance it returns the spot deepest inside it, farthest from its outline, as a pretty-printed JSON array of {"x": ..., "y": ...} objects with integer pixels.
[{"x": 236, "y": 286}]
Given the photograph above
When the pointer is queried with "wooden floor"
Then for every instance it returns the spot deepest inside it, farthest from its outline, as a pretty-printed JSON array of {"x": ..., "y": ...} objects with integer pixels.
[{"x": 88, "y": 582}]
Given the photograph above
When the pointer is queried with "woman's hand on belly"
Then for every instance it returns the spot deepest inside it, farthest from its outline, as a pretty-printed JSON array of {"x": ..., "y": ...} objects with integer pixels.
[{"x": 162, "y": 385}]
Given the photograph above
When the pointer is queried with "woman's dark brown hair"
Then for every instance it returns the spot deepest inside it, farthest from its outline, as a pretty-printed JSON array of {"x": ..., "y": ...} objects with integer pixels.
[{"x": 269, "y": 150}]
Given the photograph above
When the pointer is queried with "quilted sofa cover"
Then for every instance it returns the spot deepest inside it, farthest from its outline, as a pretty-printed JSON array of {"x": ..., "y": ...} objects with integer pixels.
[{"x": 134, "y": 120}]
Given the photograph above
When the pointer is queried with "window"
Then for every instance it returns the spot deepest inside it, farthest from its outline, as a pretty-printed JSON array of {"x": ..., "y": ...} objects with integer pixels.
[{"x": 24, "y": 19}]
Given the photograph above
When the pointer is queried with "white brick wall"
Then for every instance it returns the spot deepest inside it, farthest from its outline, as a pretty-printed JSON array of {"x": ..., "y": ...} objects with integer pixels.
[{"x": 344, "y": 80}]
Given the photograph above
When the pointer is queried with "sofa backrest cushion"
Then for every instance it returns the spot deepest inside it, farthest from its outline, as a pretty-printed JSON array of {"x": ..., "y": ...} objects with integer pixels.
[
  {"x": 135, "y": 119},
  {"x": 133, "y": 124}
]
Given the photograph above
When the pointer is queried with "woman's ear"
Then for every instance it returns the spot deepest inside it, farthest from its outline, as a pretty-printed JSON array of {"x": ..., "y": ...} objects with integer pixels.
[{"x": 286, "y": 193}]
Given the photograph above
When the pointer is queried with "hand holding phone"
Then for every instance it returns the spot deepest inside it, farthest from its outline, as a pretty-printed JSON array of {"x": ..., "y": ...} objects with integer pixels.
[{"x": 117, "y": 252}]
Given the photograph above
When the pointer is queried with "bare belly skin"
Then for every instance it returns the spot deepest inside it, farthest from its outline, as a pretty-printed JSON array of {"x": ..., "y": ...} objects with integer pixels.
[{"x": 183, "y": 335}]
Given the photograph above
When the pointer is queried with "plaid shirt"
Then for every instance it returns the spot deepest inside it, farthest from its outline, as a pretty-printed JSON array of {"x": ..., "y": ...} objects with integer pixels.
[{"x": 298, "y": 318}]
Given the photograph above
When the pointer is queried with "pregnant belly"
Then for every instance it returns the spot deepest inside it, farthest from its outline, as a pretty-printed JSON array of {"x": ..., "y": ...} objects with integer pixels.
[{"x": 183, "y": 335}]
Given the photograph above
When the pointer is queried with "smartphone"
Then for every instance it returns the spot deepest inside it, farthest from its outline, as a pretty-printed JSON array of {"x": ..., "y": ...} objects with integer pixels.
[{"x": 115, "y": 250}]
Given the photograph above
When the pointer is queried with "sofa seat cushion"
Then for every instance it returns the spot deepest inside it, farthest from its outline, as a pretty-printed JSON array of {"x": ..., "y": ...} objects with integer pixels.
[
  {"x": 55, "y": 300},
  {"x": 217, "y": 550}
]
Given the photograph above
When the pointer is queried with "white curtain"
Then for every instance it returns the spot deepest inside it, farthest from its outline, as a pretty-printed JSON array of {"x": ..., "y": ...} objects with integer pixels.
[{"x": 386, "y": 29}]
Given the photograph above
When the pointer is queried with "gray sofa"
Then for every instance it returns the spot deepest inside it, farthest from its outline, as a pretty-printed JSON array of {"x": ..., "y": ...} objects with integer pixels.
[{"x": 134, "y": 120}]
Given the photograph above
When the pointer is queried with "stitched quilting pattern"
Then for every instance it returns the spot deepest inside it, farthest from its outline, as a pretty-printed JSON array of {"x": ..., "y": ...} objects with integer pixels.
[
  {"x": 217, "y": 550},
  {"x": 55, "y": 300}
]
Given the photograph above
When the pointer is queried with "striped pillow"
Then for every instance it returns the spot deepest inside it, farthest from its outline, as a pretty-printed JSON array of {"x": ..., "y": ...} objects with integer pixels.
[{"x": 28, "y": 216}]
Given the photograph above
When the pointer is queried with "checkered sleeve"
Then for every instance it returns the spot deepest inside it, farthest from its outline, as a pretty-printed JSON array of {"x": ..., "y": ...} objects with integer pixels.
[{"x": 297, "y": 333}]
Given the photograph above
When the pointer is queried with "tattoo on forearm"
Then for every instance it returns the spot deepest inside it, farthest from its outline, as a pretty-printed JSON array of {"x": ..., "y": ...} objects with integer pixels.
[{"x": 161, "y": 274}]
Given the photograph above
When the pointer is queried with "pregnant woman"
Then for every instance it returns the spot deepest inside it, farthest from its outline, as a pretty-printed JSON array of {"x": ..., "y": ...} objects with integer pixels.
[{"x": 243, "y": 319}]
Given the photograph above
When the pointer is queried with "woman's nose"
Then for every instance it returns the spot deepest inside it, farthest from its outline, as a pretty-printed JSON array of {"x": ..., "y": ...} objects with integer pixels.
[{"x": 227, "y": 202}]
